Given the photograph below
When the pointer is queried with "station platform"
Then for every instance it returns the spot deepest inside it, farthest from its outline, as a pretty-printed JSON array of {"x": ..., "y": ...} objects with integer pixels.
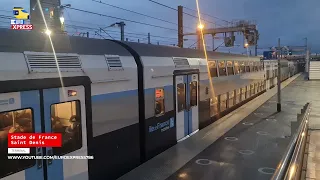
[
  {"x": 246, "y": 144},
  {"x": 311, "y": 166}
]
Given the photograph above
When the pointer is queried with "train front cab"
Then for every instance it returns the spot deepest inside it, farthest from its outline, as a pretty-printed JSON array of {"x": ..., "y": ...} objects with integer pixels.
[
  {"x": 44, "y": 106},
  {"x": 186, "y": 83}
]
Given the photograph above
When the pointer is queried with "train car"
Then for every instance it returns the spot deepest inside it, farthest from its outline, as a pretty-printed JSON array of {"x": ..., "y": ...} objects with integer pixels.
[{"x": 121, "y": 102}]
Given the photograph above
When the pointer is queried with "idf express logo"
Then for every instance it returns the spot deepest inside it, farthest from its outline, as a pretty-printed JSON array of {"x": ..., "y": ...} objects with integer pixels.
[
  {"x": 162, "y": 126},
  {"x": 19, "y": 23}
]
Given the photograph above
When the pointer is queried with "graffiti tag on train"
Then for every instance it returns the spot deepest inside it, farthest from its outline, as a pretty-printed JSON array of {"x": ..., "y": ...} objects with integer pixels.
[{"x": 163, "y": 126}]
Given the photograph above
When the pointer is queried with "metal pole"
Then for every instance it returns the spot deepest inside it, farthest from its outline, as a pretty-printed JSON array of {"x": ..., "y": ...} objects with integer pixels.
[
  {"x": 122, "y": 24},
  {"x": 279, "y": 75},
  {"x": 256, "y": 42},
  {"x": 180, "y": 26},
  {"x": 148, "y": 38},
  {"x": 213, "y": 42},
  {"x": 87, "y": 34}
]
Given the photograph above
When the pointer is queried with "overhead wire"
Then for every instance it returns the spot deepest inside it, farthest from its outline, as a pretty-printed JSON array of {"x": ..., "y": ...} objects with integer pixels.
[
  {"x": 138, "y": 13},
  {"x": 208, "y": 15},
  {"x": 184, "y": 12},
  {"x": 113, "y": 17},
  {"x": 142, "y": 34}
]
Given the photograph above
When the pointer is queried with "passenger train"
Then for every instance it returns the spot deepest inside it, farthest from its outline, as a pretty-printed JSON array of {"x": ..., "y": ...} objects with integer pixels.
[{"x": 121, "y": 102}]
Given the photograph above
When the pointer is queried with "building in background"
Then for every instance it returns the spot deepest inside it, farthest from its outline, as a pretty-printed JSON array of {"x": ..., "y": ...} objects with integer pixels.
[{"x": 51, "y": 11}]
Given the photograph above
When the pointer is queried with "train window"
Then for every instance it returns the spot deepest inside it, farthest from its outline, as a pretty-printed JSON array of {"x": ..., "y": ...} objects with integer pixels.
[
  {"x": 193, "y": 93},
  {"x": 66, "y": 119},
  {"x": 256, "y": 86},
  {"x": 181, "y": 93},
  {"x": 251, "y": 66},
  {"x": 252, "y": 89},
  {"x": 230, "y": 68},
  {"x": 213, "y": 106},
  {"x": 248, "y": 92},
  {"x": 222, "y": 69},
  {"x": 268, "y": 74},
  {"x": 236, "y": 67},
  {"x": 238, "y": 96},
  {"x": 255, "y": 66},
  {"x": 213, "y": 68},
  {"x": 231, "y": 99},
  {"x": 261, "y": 66},
  {"x": 223, "y": 102},
  {"x": 242, "y": 67},
  {"x": 248, "y": 69},
  {"x": 243, "y": 93},
  {"x": 16, "y": 121},
  {"x": 159, "y": 102}
]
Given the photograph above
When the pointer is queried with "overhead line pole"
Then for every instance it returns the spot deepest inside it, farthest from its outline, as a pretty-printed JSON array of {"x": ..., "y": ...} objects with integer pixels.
[
  {"x": 279, "y": 75},
  {"x": 180, "y": 26}
]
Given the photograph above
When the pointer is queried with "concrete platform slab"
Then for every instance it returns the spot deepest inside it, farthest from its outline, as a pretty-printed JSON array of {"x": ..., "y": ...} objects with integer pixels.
[{"x": 214, "y": 153}]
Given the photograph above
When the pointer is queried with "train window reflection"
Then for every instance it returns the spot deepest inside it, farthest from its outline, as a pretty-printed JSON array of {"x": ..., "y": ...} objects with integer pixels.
[
  {"x": 242, "y": 67},
  {"x": 248, "y": 69},
  {"x": 231, "y": 98},
  {"x": 252, "y": 89},
  {"x": 223, "y": 102},
  {"x": 236, "y": 67},
  {"x": 243, "y": 93},
  {"x": 193, "y": 93},
  {"x": 213, "y": 106},
  {"x": 238, "y": 95},
  {"x": 213, "y": 68},
  {"x": 16, "y": 121},
  {"x": 222, "y": 69},
  {"x": 248, "y": 92},
  {"x": 181, "y": 93},
  {"x": 230, "y": 68},
  {"x": 66, "y": 119}
]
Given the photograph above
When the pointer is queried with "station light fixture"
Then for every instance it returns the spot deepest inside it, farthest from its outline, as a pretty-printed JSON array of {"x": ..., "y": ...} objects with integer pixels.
[
  {"x": 200, "y": 26},
  {"x": 246, "y": 45}
]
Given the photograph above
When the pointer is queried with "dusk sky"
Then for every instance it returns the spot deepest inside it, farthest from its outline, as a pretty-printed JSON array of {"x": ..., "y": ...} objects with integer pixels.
[{"x": 291, "y": 20}]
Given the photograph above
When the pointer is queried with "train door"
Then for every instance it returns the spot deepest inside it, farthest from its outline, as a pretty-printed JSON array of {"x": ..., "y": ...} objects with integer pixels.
[
  {"x": 65, "y": 113},
  {"x": 20, "y": 112},
  {"x": 57, "y": 110},
  {"x": 186, "y": 101}
]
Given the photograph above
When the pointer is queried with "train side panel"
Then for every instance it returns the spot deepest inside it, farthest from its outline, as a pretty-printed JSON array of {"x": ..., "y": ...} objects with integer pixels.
[
  {"x": 159, "y": 124},
  {"x": 115, "y": 118}
]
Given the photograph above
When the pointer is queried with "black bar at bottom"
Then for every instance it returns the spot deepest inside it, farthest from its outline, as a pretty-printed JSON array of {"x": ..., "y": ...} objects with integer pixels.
[{"x": 278, "y": 107}]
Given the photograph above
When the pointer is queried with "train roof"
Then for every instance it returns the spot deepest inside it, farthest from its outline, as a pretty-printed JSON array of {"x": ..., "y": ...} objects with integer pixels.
[
  {"x": 20, "y": 41},
  {"x": 167, "y": 51}
]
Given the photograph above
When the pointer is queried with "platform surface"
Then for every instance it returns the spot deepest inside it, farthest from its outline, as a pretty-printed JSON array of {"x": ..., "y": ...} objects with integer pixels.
[{"x": 246, "y": 144}]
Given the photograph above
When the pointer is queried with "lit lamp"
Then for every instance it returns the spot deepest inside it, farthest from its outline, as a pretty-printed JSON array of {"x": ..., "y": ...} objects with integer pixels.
[
  {"x": 200, "y": 26},
  {"x": 62, "y": 23},
  {"x": 246, "y": 45}
]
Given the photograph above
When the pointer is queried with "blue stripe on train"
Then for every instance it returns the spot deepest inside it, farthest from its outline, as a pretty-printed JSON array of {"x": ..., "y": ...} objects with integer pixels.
[
  {"x": 32, "y": 99},
  {"x": 134, "y": 92},
  {"x": 51, "y": 96}
]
